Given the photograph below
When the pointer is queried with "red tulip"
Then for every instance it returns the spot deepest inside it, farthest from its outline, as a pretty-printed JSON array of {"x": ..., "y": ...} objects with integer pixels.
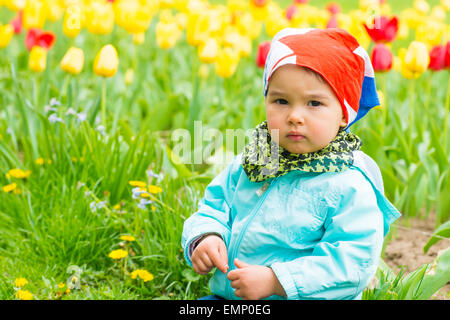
[
  {"x": 17, "y": 22},
  {"x": 37, "y": 37},
  {"x": 381, "y": 58},
  {"x": 383, "y": 30},
  {"x": 447, "y": 55},
  {"x": 332, "y": 23},
  {"x": 263, "y": 51},
  {"x": 437, "y": 58},
  {"x": 291, "y": 11},
  {"x": 334, "y": 8}
]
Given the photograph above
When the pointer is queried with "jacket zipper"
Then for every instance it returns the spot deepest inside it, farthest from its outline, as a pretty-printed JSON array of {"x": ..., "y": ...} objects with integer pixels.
[{"x": 244, "y": 228}]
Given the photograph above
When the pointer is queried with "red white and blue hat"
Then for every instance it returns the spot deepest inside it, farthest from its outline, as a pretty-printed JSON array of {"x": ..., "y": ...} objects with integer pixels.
[{"x": 337, "y": 56}]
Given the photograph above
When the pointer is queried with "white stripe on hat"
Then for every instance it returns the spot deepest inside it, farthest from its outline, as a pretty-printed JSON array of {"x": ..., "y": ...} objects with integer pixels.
[
  {"x": 368, "y": 71},
  {"x": 351, "y": 112}
]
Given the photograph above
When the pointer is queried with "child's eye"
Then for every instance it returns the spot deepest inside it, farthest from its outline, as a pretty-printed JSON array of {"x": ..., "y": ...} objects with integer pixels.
[
  {"x": 281, "y": 101},
  {"x": 314, "y": 103}
]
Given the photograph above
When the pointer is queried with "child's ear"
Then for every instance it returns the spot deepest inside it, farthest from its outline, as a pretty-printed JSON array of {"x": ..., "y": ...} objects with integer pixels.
[{"x": 343, "y": 122}]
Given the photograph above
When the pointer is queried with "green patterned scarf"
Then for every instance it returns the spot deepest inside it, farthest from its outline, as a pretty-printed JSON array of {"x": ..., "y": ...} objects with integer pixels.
[{"x": 264, "y": 158}]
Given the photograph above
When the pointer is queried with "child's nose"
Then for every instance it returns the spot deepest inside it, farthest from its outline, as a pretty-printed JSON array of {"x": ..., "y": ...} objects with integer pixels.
[{"x": 296, "y": 115}]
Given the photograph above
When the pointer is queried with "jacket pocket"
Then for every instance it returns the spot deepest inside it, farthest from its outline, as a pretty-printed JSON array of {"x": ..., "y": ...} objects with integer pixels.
[{"x": 296, "y": 219}]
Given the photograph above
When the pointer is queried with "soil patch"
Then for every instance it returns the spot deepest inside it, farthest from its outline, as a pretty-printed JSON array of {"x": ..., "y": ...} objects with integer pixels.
[{"x": 405, "y": 248}]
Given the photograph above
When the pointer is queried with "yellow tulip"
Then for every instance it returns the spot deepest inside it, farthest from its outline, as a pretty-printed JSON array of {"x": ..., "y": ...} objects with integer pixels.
[
  {"x": 227, "y": 62},
  {"x": 34, "y": 14},
  {"x": 167, "y": 34},
  {"x": 6, "y": 33},
  {"x": 100, "y": 18},
  {"x": 134, "y": 16},
  {"x": 275, "y": 23},
  {"x": 421, "y": 6},
  {"x": 203, "y": 71},
  {"x": 73, "y": 21},
  {"x": 430, "y": 32},
  {"x": 237, "y": 5},
  {"x": 38, "y": 59},
  {"x": 416, "y": 60},
  {"x": 397, "y": 64},
  {"x": 55, "y": 9},
  {"x": 129, "y": 76},
  {"x": 106, "y": 62},
  {"x": 247, "y": 25},
  {"x": 139, "y": 38},
  {"x": 198, "y": 29},
  {"x": 73, "y": 61},
  {"x": 208, "y": 51},
  {"x": 445, "y": 4},
  {"x": 438, "y": 13}
]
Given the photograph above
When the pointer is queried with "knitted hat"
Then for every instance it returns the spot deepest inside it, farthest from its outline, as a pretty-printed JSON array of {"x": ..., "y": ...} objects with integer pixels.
[{"x": 334, "y": 54}]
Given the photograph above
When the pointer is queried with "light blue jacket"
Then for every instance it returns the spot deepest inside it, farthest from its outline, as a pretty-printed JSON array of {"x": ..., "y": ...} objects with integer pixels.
[{"x": 321, "y": 233}]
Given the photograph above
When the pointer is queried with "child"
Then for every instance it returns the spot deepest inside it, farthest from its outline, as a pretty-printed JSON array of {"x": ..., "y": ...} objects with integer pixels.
[{"x": 300, "y": 214}]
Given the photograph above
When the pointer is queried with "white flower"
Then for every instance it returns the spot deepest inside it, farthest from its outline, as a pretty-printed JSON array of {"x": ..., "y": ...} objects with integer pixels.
[
  {"x": 47, "y": 109},
  {"x": 54, "y": 102},
  {"x": 101, "y": 128},
  {"x": 101, "y": 204},
  {"x": 93, "y": 206},
  {"x": 81, "y": 116},
  {"x": 54, "y": 118},
  {"x": 70, "y": 111},
  {"x": 137, "y": 192},
  {"x": 143, "y": 203}
]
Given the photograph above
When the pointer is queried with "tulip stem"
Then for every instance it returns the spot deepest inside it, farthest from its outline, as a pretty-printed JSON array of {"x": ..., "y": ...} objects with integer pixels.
[
  {"x": 385, "y": 98},
  {"x": 411, "y": 112},
  {"x": 103, "y": 103},
  {"x": 447, "y": 110}
]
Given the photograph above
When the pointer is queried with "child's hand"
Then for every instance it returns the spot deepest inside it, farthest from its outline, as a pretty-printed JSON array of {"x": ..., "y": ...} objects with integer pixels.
[
  {"x": 254, "y": 282},
  {"x": 210, "y": 252}
]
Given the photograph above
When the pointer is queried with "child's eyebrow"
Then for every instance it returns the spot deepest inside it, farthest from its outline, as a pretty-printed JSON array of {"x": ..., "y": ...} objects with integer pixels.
[{"x": 312, "y": 95}]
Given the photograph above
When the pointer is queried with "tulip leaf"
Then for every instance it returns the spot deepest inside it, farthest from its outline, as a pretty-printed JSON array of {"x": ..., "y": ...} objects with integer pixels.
[{"x": 443, "y": 231}]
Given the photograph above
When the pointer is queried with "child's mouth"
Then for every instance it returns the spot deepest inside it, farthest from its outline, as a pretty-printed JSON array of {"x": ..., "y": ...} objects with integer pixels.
[{"x": 295, "y": 137}]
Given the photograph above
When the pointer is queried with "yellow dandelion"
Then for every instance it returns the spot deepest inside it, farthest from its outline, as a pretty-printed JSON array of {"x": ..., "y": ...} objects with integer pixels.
[
  {"x": 17, "y": 173},
  {"x": 127, "y": 238},
  {"x": 145, "y": 195},
  {"x": 118, "y": 254},
  {"x": 67, "y": 291},
  {"x": 9, "y": 187},
  {"x": 139, "y": 184},
  {"x": 61, "y": 285},
  {"x": 39, "y": 161},
  {"x": 153, "y": 207},
  {"x": 116, "y": 207},
  {"x": 142, "y": 274},
  {"x": 154, "y": 189},
  {"x": 20, "y": 282},
  {"x": 24, "y": 295}
]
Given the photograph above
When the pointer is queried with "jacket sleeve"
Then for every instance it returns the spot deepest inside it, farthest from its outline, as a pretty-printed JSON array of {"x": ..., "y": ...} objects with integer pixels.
[
  {"x": 213, "y": 213},
  {"x": 345, "y": 259}
]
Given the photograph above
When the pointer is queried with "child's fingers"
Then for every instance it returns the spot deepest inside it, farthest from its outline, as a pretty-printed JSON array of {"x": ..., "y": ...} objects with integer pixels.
[
  {"x": 233, "y": 275},
  {"x": 224, "y": 254},
  {"x": 206, "y": 260},
  {"x": 218, "y": 261},
  {"x": 235, "y": 284},
  {"x": 240, "y": 264},
  {"x": 200, "y": 267}
]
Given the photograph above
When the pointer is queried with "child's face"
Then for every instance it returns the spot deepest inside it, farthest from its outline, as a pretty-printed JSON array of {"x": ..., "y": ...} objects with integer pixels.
[{"x": 298, "y": 101}]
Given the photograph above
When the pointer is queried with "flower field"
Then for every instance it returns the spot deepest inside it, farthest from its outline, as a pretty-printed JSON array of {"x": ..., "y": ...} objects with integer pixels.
[{"x": 93, "y": 94}]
